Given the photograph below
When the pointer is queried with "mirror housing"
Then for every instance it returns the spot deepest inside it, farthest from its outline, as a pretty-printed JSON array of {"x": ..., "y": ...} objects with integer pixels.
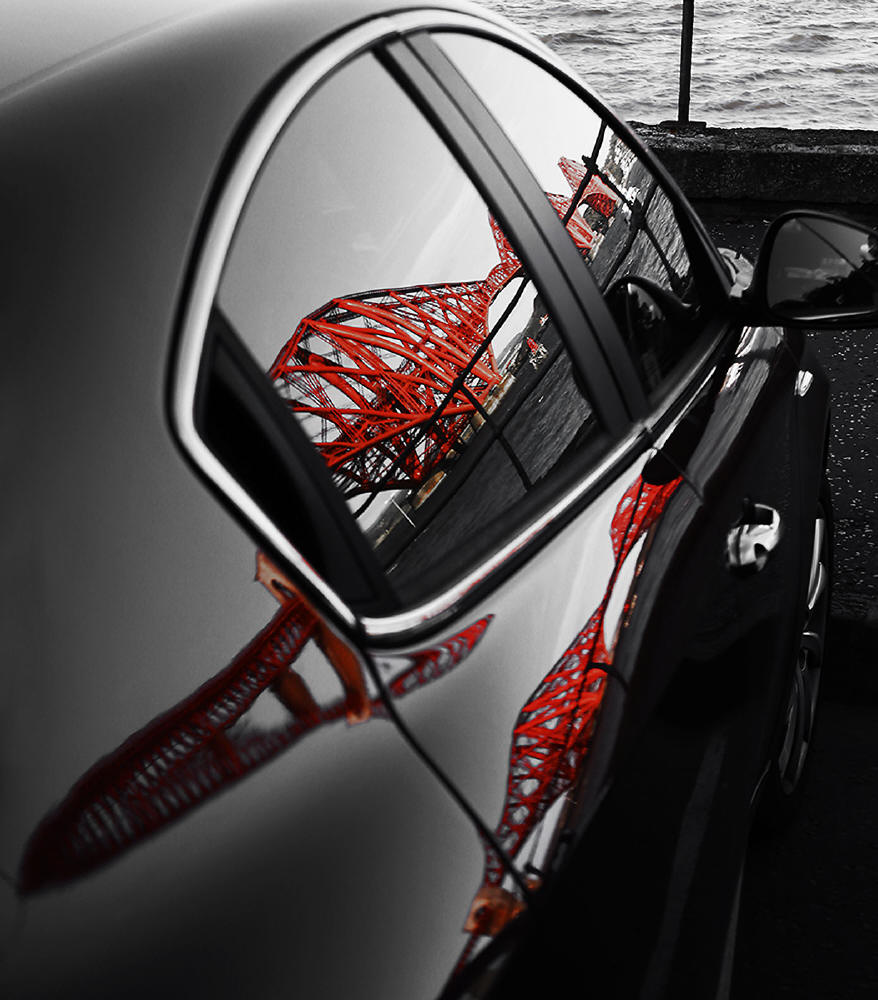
[{"x": 815, "y": 269}]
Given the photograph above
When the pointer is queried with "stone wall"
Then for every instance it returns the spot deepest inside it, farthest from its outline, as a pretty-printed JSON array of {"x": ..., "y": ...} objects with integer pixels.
[{"x": 770, "y": 164}]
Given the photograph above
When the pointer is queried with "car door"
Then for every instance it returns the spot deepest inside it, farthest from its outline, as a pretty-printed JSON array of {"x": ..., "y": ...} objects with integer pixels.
[
  {"x": 224, "y": 808},
  {"x": 710, "y": 641},
  {"x": 454, "y": 415}
]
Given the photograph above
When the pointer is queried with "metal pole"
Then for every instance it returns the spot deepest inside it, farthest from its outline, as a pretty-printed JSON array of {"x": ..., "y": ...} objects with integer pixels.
[{"x": 685, "y": 61}]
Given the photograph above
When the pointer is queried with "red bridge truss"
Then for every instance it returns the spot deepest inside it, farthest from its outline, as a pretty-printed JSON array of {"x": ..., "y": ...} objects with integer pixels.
[
  {"x": 553, "y": 730},
  {"x": 367, "y": 374},
  {"x": 385, "y": 382},
  {"x": 197, "y": 749}
]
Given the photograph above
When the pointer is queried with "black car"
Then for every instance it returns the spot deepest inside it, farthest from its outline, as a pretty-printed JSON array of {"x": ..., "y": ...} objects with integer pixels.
[{"x": 378, "y": 303}]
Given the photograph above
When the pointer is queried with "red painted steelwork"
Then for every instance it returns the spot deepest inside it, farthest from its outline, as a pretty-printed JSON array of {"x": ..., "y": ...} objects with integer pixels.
[
  {"x": 194, "y": 751},
  {"x": 552, "y": 733},
  {"x": 367, "y": 373},
  {"x": 597, "y": 194}
]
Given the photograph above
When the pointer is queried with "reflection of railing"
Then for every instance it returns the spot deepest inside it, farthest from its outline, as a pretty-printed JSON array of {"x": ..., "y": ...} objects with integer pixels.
[{"x": 639, "y": 208}]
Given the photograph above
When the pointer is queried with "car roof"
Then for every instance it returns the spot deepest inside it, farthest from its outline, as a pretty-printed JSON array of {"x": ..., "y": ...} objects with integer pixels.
[
  {"x": 42, "y": 38},
  {"x": 45, "y": 35}
]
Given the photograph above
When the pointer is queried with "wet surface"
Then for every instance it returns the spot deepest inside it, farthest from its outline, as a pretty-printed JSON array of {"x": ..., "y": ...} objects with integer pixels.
[
  {"x": 809, "y": 911},
  {"x": 809, "y": 918}
]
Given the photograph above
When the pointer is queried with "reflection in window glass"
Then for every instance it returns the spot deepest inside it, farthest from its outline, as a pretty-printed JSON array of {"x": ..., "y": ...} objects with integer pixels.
[
  {"x": 373, "y": 285},
  {"x": 619, "y": 218}
]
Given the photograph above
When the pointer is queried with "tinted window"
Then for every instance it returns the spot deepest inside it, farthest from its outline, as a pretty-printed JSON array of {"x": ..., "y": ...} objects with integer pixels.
[
  {"x": 619, "y": 217},
  {"x": 383, "y": 301}
]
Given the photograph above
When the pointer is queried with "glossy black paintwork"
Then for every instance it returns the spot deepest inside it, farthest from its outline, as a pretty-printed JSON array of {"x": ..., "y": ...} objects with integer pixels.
[
  {"x": 815, "y": 268},
  {"x": 673, "y": 768}
]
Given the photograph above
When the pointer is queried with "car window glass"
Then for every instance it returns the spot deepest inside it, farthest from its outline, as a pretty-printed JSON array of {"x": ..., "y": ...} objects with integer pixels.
[
  {"x": 386, "y": 306},
  {"x": 622, "y": 222}
]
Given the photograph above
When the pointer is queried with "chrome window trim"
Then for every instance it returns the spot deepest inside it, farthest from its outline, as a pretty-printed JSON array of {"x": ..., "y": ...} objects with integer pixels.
[
  {"x": 437, "y": 608},
  {"x": 208, "y": 271},
  {"x": 206, "y": 278}
]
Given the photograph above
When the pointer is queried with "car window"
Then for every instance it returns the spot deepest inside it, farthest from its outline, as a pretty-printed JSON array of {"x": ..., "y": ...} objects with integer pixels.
[
  {"x": 382, "y": 299},
  {"x": 618, "y": 214}
]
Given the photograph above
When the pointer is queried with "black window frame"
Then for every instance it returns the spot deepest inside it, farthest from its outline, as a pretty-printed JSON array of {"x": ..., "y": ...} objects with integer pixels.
[{"x": 709, "y": 272}]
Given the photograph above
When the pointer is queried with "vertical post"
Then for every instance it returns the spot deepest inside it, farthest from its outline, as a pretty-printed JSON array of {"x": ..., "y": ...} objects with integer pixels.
[{"x": 685, "y": 61}]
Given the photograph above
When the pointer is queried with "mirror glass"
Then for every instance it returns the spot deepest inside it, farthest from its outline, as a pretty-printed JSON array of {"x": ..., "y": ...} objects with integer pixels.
[{"x": 822, "y": 268}]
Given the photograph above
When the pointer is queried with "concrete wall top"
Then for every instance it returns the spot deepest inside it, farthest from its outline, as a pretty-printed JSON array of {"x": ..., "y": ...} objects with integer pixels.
[{"x": 769, "y": 164}]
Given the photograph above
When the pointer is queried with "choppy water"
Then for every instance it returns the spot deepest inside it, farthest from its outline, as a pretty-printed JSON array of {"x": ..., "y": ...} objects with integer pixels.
[{"x": 799, "y": 64}]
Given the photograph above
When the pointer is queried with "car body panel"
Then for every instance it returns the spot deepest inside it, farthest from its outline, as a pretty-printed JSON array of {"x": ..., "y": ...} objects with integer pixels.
[
  {"x": 134, "y": 587},
  {"x": 172, "y": 827}
]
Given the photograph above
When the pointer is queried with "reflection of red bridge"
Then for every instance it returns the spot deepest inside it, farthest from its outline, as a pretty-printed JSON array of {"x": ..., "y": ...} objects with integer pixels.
[
  {"x": 197, "y": 749},
  {"x": 553, "y": 730},
  {"x": 368, "y": 372},
  {"x": 203, "y": 745}
]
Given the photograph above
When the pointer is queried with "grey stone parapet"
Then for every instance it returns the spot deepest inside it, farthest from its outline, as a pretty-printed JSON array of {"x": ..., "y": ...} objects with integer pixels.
[{"x": 769, "y": 164}]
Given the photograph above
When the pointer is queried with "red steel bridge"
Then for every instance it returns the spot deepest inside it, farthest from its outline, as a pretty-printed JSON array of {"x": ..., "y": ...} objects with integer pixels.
[{"x": 384, "y": 382}]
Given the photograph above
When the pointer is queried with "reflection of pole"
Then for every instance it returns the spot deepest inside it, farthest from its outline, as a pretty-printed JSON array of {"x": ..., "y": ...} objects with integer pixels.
[{"x": 685, "y": 61}]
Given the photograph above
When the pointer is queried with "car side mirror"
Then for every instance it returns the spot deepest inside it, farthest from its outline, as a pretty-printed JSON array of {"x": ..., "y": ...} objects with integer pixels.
[{"x": 816, "y": 269}]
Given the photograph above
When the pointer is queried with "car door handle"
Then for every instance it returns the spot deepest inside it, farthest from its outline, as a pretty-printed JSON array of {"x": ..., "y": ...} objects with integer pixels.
[{"x": 752, "y": 540}]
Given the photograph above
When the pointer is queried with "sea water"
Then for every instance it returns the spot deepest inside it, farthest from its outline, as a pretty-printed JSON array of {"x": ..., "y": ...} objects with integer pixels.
[{"x": 798, "y": 64}]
